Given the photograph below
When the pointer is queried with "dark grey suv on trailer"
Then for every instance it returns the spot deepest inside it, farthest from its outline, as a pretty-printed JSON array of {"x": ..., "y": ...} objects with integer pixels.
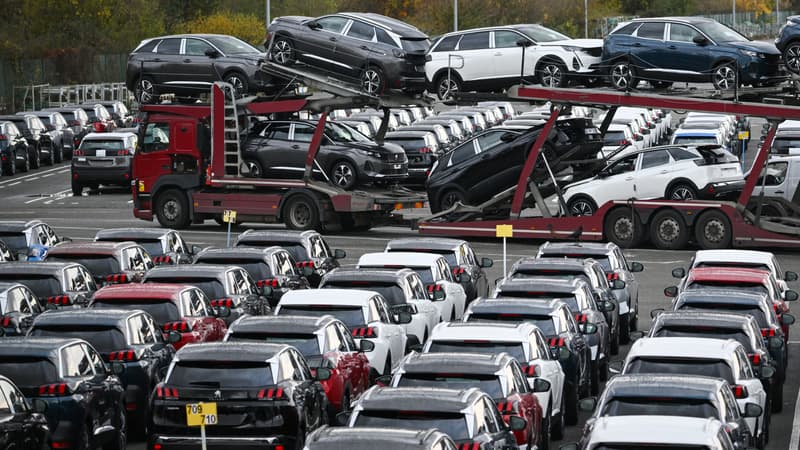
[{"x": 188, "y": 64}]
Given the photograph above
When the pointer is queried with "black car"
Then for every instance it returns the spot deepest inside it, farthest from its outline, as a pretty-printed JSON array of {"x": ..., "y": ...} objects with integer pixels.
[
  {"x": 272, "y": 267},
  {"x": 377, "y": 52},
  {"x": 78, "y": 121},
  {"x": 187, "y": 65},
  {"x": 363, "y": 438},
  {"x": 19, "y": 306},
  {"x": 85, "y": 400},
  {"x": 165, "y": 246},
  {"x": 57, "y": 283},
  {"x": 61, "y": 134},
  {"x": 128, "y": 337},
  {"x": 345, "y": 157},
  {"x": 308, "y": 248},
  {"x": 22, "y": 425},
  {"x": 264, "y": 393},
  {"x": 491, "y": 162},
  {"x": 108, "y": 262},
  {"x": 15, "y": 151},
  {"x": 34, "y": 131},
  {"x": 469, "y": 416},
  {"x": 422, "y": 150}
]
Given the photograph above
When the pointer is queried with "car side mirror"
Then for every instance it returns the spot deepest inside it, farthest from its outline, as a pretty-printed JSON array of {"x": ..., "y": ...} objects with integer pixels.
[
  {"x": 587, "y": 404},
  {"x": 775, "y": 343},
  {"x": 384, "y": 380},
  {"x": 405, "y": 307},
  {"x": 323, "y": 374},
  {"x": 313, "y": 25},
  {"x": 671, "y": 291},
  {"x": 767, "y": 372},
  {"x": 587, "y": 328},
  {"x": 636, "y": 267},
  {"x": 517, "y": 423},
  {"x": 342, "y": 418},
  {"x": 39, "y": 405},
  {"x": 306, "y": 271},
  {"x": 403, "y": 318},
  {"x": 752, "y": 410},
  {"x": 267, "y": 291},
  {"x": 638, "y": 138},
  {"x": 117, "y": 368},
  {"x": 603, "y": 174},
  {"x": 339, "y": 254},
  {"x": 607, "y": 306},
  {"x": 615, "y": 366},
  {"x": 700, "y": 40},
  {"x": 655, "y": 312},
  {"x": 540, "y": 385},
  {"x": 678, "y": 272},
  {"x": 508, "y": 137},
  {"x": 790, "y": 276},
  {"x": 787, "y": 319},
  {"x": 618, "y": 284},
  {"x": 223, "y": 311},
  {"x": 212, "y": 53},
  {"x": 790, "y": 295},
  {"x": 173, "y": 337},
  {"x": 489, "y": 262}
]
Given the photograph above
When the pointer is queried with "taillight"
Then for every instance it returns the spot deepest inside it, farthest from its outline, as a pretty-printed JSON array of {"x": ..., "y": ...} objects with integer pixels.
[
  {"x": 117, "y": 278},
  {"x": 458, "y": 270},
  {"x": 7, "y": 321},
  {"x": 425, "y": 150},
  {"x": 470, "y": 446},
  {"x": 59, "y": 300},
  {"x": 581, "y": 318},
  {"x": 739, "y": 391},
  {"x": 123, "y": 355},
  {"x": 531, "y": 370},
  {"x": 163, "y": 259},
  {"x": 54, "y": 390},
  {"x": 181, "y": 326},
  {"x": 305, "y": 264},
  {"x": 270, "y": 394},
  {"x": 99, "y": 127},
  {"x": 271, "y": 283},
  {"x": 77, "y": 152},
  {"x": 166, "y": 392},
  {"x": 756, "y": 359},
  {"x": 556, "y": 342},
  {"x": 434, "y": 288},
  {"x": 227, "y": 302},
  {"x": 612, "y": 276},
  {"x": 124, "y": 152},
  {"x": 3, "y": 137},
  {"x": 364, "y": 332},
  {"x": 624, "y": 142},
  {"x": 506, "y": 408},
  {"x": 767, "y": 332}
]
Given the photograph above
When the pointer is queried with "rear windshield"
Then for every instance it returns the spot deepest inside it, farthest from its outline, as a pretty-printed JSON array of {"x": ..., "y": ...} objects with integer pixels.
[
  {"x": 15, "y": 241},
  {"x": 674, "y": 366},
  {"x": 221, "y": 374},
  {"x": 28, "y": 371},
  {"x": 415, "y": 45},
  {"x": 453, "y": 424},
  {"x": 542, "y": 34},
  {"x": 602, "y": 259},
  {"x": 706, "y": 331},
  {"x": 98, "y": 265},
  {"x": 97, "y": 144},
  {"x": 407, "y": 143},
  {"x": 212, "y": 287},
  {"x": 737, "y": 285},
  {"x": 257, "y": 269},
  {"x": 783, "y": 144},
  {"x": 544, "y": 323},
  {"x": 487, "y": 383},
  {"x": 295, "y": 248},
  {"x": 614, "y": 138},
  {"x": 162, "y": 311},
  {"x": 104, "y": 339},
  {"x": 390, "y": 291},
  {"x": 42, "y": 285},
  {"x": 567, "y": 298},
  {"x": 567, "y": 275},
  {"x": 153, "y": 246},
  {"x": 306, "y": 343},
  {"x": 751, "y": 310},
  {"x": 479, "y": 346},
  {"x": 351, "y": 316},
  {"x": 660, "y": 406},
  {"x": 449, "y": 255},
  {"x": 695, "y": 140},
  {"x": 742, "y": 265}
]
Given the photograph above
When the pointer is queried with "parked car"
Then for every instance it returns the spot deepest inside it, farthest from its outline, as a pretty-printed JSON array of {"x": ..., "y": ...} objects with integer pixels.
[
  {"x": 200, "y": 59},
  {"x": 14, "y": 149},
  {"x": 34, "y": 131},
  {"x": 29, "y": 239},
  {"x": 108, "y": 262},
  {"x": 103, "y": 158},
  {"x": 443, "y": 139},
  {"x": 663, "y": 50},
  {"x": 99, "y": 118},
  {"x": 489, "y": 59},
  {"x": 57, "y": 283},
  {"x": 451, "y": 126},
  {"x": 18, "y": 306},
  {"x": 366, "y": 438},
  {"x": 789, "y": 45},
  {"x": 692, "y": 136},
  {"x": 164, "y": 246},
  {"x": 119, "y": 112},
  {"x": 23, "y": 424},
  {"x": 77, "y": 120},
  {"x": 61, "y": 134},
  {"x": 422, "y": 148},
  {"x": 377, "y": 52}
]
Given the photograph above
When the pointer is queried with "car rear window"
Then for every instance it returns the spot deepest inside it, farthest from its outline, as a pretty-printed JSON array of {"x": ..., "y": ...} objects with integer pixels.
[
  {"x": 162, "y": 311},
  {"x": 479, "y": 346},
  {"x": 153, "y": 246},
  {"x": 453, "y": 424},
  {"x": 660, "y": 406},
  {"x": 221, "y": 374},
  {"x": 296, "y": 249},
  {"x": 489, "y": 384},
  {"x": 737, "y": 285},
  {"x": 706, "y": 331},
  {"x": 28, "y": 371},
  {"x": 352, "y": 316},
  {"x": 566, "y": 297},
  {"x": 415, "y": 45},
  {"x": 108, "y": 147},
  {"x": 544, "y": 323},
  {"x": 257, "y": 269},
  {"x": 212, "y": 287},
  {"x": 392, "y": 292},
  {"x": 751, "y": 310},
  {"x": 306, "y": 343},
  {"x": 105, "y": 339},
  {"x": 98, "y": 265},
  {"x": 695, "y": 140},
  {"x": 42, "y": 285},
  {"x": 14, "y": 240},
  {"x": 409, "y": 143},
  {"x": 675, "y": 366},
  {"x": 449, "y": 255},
  {"x": 783, "y": 144},
  {"x": 614, "y": 138}
]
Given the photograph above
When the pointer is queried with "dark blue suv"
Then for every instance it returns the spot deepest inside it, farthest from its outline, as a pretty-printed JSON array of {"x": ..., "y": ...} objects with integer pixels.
[
  {"x": 667, "y": 49},
  {"x": 788, "y": 42}
]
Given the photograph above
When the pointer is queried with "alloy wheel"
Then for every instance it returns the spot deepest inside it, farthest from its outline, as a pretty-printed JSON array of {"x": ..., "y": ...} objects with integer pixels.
[
  {"x": 682, "y": 193},
  {"x": 146, "y": 91},
  {"x": 552, "y": 75},
  {"x": 581, "y": 208},
  {"x": 237, "y": 83},
  {"x": 282, "y": 52},
  {"x": 791, "y": 56},
  {"x": 621, "y": 76},
  {"x": 448, "y": 87},
  {"x": 343, "y": 175},
  {"x": 371, "y": 81},
  {"x": 724, "y": 77}
]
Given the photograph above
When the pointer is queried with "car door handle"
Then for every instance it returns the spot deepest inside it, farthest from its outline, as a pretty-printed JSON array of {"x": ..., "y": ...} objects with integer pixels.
[
  {"x": 637, "y": 45},
  {"x": 363, "y": 47},
  {"x": 295, "y": 146},
  {"x": 332, "y": 38},
  {"x": 664, "y": 171},
  {"x": 779, "y": 192},
  {"x": 628, "y": 178},
  {"x": 187, "y": 60},
  {"x": 498, "y": 54},
  {"x": 672, "y": 47}
]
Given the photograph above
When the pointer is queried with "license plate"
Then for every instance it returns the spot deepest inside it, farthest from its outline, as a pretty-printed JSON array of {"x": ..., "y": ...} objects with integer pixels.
[
  {"x": 82, "y": 159},
  {"x": 100, "y": 153},
  {"x": 398, "y": 166}
]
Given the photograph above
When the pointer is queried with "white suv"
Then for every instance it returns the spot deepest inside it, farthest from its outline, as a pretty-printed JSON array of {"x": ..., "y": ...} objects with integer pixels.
[{"x": 486, "y": 59}]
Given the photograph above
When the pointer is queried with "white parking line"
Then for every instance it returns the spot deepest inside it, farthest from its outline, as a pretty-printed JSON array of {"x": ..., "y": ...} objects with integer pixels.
[
  {"x": 31, "y": 179},
  {"x": 14, "y": 184},
  {"x": 59, "y": 196},
  {"x": 37, "y": 174},
  {"x": 35, "y": 200},
  {"x": 795, "y": 439}
]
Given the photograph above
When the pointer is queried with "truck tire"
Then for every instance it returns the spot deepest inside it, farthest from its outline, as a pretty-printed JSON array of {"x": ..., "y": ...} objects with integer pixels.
[
  {"x": 172, "y": 209},
  {"x": 712, "y": 230},
  {"x": 668, "y": 230},
  {"x": 301, "y": 213},
  {"x": 623, "y": 227}
]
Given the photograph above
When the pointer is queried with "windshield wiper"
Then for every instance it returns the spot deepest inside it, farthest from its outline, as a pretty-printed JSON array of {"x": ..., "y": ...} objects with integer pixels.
[{"x": 205, "y": 383}]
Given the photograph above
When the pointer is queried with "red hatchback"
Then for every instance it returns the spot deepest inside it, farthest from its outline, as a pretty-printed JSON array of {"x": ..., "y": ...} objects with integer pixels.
[
  {"x": 174, "y": 307},
  {"x": 324, "y": 341}
]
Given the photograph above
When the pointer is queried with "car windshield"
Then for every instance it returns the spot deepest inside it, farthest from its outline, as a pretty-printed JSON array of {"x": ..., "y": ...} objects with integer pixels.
[
  {"x": 479, "y": 346},
  {"x": 705, "y": 331},
  {"x": 105, "y": 339},
  {"x": 544, "y": 323},
  {"x": 452, "y": 424},
  {"x": 542, "y": 34},
  {"x": 352, "y": 316},
  {"x": 153, "y": 246},
  {"x": 751, "y": 310},
  {"x": 232, "y": 46},
  {"x": 212, "y": 287},
  {"x": 296, "y": 249},
  {"x": 257, "y": 269},
  {"x": 449, "y": 255},
  {"x": 308, "y": 344},
  {"x": 659, "y": 406},
  {"x": 42, "y": 285},
  {"x": 720, "y": 33},
  {"x": 221, "y": 374},
  {"x": 393, "y": 293},
  {"x": 343, "y": 133},
  {"x": 695, "y": 140},
  {"x": 783, "y": 144},
  {"x": 14, "y": 241},
  {"x": 28, "y": 371},
  {"x": 735, "y": 285},
  {"x": 487, "y": 383},
  {"x": 98, "y": 265},
  {"x": 570, "y": 299},
  {"x": 163, "y": 311},
  {"x": 676, "y": 366}
]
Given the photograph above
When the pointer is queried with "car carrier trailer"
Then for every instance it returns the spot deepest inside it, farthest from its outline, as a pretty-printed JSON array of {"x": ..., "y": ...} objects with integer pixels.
[{"x": 668, "y": 224}]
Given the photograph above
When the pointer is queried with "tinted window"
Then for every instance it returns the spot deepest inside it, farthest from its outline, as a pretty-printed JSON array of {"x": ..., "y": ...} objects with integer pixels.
[
  {"x": 682, "y": 33},
  {"x": 169, "y": 47},
  {"x": 739, "y": 286},
  {"x": 654, "y": 159},
  {"x": 651, "y": 30},
  {"x": 544, "y": 323},
  {"x": 221, "y": 374},
  {"x": 452, "y": 424},
  {"x": 660, "y": 406},
  {"x": 98, "y": 265},
  {"x": 474, "y": 41},
  {"x": 671, "y": 366},
  {"x": 162, "y": 311},
  {"x": 679, "y": 154},
  {"x": 75, "y": 362},
  {"x": 148, "y": 47},
  {"x": 351, "y": 316},
  {"x": 695, "y": 140},
  {"x": 212, "y": 287},
  {"x": 196, "y": 47},
  {"x": 447, "y": 44},
  {"x": 705, "y": 331},
  {"x": 332, "y": 24},
  {"x": 506, "y": 39},
  {"x": 750, "y": 310},
  {"x": 15, "y": 241},
  {"x": 541, "y": 34},
  {"x": 306, "y": 343},
  {"x": 462, "y": 153},
  {"x": 512, "y": 348},
  {"x": 627, "y": 29},
  {"x": 103, "y": 338},
  {"x": 42, "y": 285},
  {"x": 384, "y": 38},
  {"x": 489, "y": 384},
  {"x": 15, "y": 398},
  {"x": 231, "y": 46},
  {"x": 277, "y": 131},
  {"x": 295, "y": 248},
  {"x": 303, "y": 133},
  {"x": 390, "y": 291},
  {"x": 257, "y": 269},
  {"x": 28, "y": 371},
  {"x": 361, "y": 30}
]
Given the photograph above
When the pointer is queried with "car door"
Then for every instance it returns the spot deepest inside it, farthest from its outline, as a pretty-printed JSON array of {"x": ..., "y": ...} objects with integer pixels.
[
  {"x": 656, "y": 169},
  {"x": 165, "y": 66},
  {"x": 197, "y": 65},
  {"x": 23, "y": 430},
  {"x": 13, "y": 434},
  {"x": 276, "y": 153},
  {"x": 318, "y": 45},
  {"x": 306, "y": 386},
  {"x": 379, "y": 309},
  {"x": 496, "y": 165},
  {"x": 477, "y": 273},
  {"x": 77, "y": 366},
  {"x": 507, "y": 57},
  {"x": 682, "y": 54},
  {"x": 357, "y": 45},
  {"x": 774, "y": 182},
  {"x": 498, "y": 434},
  {"x": 648, "y": 53},
  {"x": 478, "y": 57},
  {"x": 302, "y": 134},
  {"x": 356, "y": 360}
]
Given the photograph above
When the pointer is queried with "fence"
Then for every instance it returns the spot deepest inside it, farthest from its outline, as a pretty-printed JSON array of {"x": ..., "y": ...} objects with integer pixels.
[{"x": 763, "y": 26}]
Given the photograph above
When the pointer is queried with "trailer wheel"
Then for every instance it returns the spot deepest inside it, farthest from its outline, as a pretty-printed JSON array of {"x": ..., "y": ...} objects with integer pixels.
[
  {"x": 624, "y": 228},
  {"x": 713, "y": 230},
  {"x": 172, "y": 209},
  {"x": 668, "y": 231},
  {"x": 301, "y": 213}
]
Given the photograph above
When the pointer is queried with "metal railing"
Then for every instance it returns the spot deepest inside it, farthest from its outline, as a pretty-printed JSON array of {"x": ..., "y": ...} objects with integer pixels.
[{"x": 37, "y": 96}]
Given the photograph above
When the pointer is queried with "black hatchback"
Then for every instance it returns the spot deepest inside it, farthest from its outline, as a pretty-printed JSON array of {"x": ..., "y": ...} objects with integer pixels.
[
  {"x": 21, "y": 425},
  {"x": 14, "y": 149},
  {"x": 345, "y": 157}
]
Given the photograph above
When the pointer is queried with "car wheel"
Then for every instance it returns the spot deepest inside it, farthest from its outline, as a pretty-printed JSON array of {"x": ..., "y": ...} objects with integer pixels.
[
  {"x": 544, "y": 435},
  {"x": 581, "y": 206},
  {"x": 552, "y": 74},
  {"x": 120, "y": 440},
  {"x": 59, "y": 154},
  {"x": 615, "y": 343},
  {"x": 239, "y": 83},
  {"x": 622, "y": 76},
  {"x": 777, "y": 397},
  {"x": 301, "y": 213},
  {"x": 595, "y": 377},
  {"x": 77, "y": 189},
  {"x": 10, "y": 168},
  {"x": 447, "y": 88},
  {"x": 791, "y": 57},
  {"x": 557, "y": 426},
  {"x": 256, "y": 171},
  {"x": 624, "y": 329},
  {"x": 283, "y": 51},
  {"x": 172, "y": 209},
  {"x": 26, "y": 166},
  {"x": 623, "y": 227},
  {"x": 344, "y": 175},
  {"x": 373, "y": 81},
  {"x": 682, "y": 191},
  {"x": 712, "y": 230},
  {"x": 724, "y": 77},
  {"x": 449, "y": 199},
  {"x": 668, "y": 230},
  {"x": 51, "y": 158},
  {"x": 570, "y": 411},
  {"x": 36, "y": 161},
  {"x": 145, "y": 91}
]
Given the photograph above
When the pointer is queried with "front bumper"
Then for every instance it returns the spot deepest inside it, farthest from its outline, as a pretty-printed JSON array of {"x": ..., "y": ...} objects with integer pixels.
[
  {"x": 722, "y": 189},
  {"x": 762, "y": 71},
  {"x": 384, "y": 170},
  {"x": 219, "y": 442}
]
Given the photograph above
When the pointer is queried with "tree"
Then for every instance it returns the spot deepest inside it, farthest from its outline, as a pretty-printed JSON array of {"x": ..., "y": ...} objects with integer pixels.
[{"x": 247, "y": 27}]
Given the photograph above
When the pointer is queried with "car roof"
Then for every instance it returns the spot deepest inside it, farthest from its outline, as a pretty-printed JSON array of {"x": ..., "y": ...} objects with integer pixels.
[
  {"x": 673, "y": 430},
  {"x": 656, "y": 385},
  {"x": 744, "y": 256},
  {"x": 133, "y": 233},
  {"x": 353, "y": 274},
  {"x": 254, "y": 253},
  {"x": 90, "y": 248},
  {"x": 107, "y": 136},
  {"x": 543, "y": 284},
  {"x": 408, "y": 133},
  {"x": 426, "y": 243},
  {"x": 536, "y": 306},
  {"x": 582, "y": 248},
  {"x": 275, "y": 235},
  {"x": 86, "y": 317},
  {"x": 280, "y": 324},
  {"x": 188, "y": 270},
  {"x": 727, "y": 274},
  {"x": 545, "y": 262},
  {"x": 345, "y": 297},
  {"x": 721, "y": 295},
  {"x": 144, "y": 292},
  {"x": 398, "y": 259},
  {"x": 683, "y": 19},
  {"x": 18, "y": 225},
  {"x": 6, "y": 285},
  {"x": 683, "y": 347},
  {"x": 229, "y": 351},
  {"x": 474, "y": 363},
  {"x": 710, "y": 319},
  {"x": 388, "y": 23},
  {"x": 201, "y": 35},
  {"x": 41, "y": 268},
  {"x": 366, "y": 438},
  {"x": 418, "y": 399},
  {"x": 40, "y": 346},
  {"x": 499, "y": 331}
]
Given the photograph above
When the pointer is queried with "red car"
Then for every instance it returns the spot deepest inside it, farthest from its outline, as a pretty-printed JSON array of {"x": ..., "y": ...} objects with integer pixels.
[
  {"x": 324, "y": 341},
  {"x": 748, "y": 280},
  {"x": 174, "y": 307}
]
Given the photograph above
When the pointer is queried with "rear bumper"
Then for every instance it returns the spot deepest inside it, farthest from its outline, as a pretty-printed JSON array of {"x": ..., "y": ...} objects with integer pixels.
[
  {"x": 722, "y": 189},
  {"x": 219, "y": 442},
  {"x": 120, "y": 175}
]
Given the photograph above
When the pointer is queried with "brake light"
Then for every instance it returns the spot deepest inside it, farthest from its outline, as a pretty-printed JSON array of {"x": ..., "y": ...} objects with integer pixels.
[
  {"x": 458, "y": 270},
  {"x": 217, "y": 302},
  {"x": 612, "y": 276},
  {"x": 6, "y": 321},
  {"x": 556, "y": 342},
  {"x": 166, "y": 392},
  {"x": 59, "y": 300},
  {"x": 99, "y": 127},
  {"x": 531, "y": 370},
  {"x": 163, "y": 259},
  {"x": 181, "y": 326},
  {"x": 62, "y": 445},
  {"x": 425, "y": 150},
  {"x": 77, "y": 152},
  {"x": 74, "y": 123},
  {"x": 739, "y": 391},
  {"x": 271, "y": 283},
  {"x": 123, "y": 355},
  {"x": 364, "y": 332},
  {"x": 434, "y": 287},
  {"x": 305, "y": 264},
  {"x": 507, "y": 408},
  {"x": 624, "y": 142},
  {"x": 124, "y": 152},
  {"x": 3, "y": 137},
  {"x": 580, "y": 318},
  {"x": 117, "y": 278},
  {"x": 470, "y": 446},
  {"x": 54, "y": 390},
  {"x": 767, "y": 332},
  {"x": 270, "y": 394},
  {"x": 756, "y": 359}
]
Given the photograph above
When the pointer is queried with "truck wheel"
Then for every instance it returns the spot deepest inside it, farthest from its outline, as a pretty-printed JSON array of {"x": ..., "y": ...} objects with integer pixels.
[
  {"x": 172, "y": 209},
  {"x": 668, "y": 231},
  {"x": 713, "y": 230},
  {"x": 301, "y": 213},
  {"x": 624, "y": 228}
]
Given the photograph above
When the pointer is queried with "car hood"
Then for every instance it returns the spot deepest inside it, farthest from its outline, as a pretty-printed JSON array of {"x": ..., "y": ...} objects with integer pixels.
[
  {"x": 756, "y": 46},
  {"x": 582, "y": 43},
  {"x": 580, "y": 183}
]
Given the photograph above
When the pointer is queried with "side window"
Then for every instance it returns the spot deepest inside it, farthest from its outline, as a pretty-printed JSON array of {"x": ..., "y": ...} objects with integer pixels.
[
  {"x": 534, "y": 347},
  {"x": 384, "y": 38},
  {"x": 301, "y": 368},
  {"x": 506, "y": 39},
  {"x": 97, "y": 362},
  {"x": 474, "y": 41},
  {"x": 447, "y": 274},
  {"x": 317, "y": 247},
  {"x": 376, "y": 313},
  {"x": 140, "y": 330},
  {"x": 447, "y": 44},
  {"x": 624, "y": 165},
  {"x": 235, "y": 281},
  {"x": 493, "y": 419},
  {"x": 277, "y": 131},
  {"x": 283, "y": 264},
  {"x": 508, "y": 374},
  {"x": 654, "y": 159},
  {"x": 682, "y": 33},
  {"x": 544, "y": 350},
  {"x": 169, "y": 47},
  {"x": 360, "y": 30},
  {"x": 156, "y": 137},
  {"x": 196, "y": 47},
  {"x": 155, "y": 332},
  {"x": 489, "y": 140},
  {"x": 198, "y": 303},
  {"x": 88, "y": 279},
  {"x": 775, "y": 174},
  {"x": 622, "y": 263},
  {"x": 333, "y": 24},
  {"x": 346, "y": 337},
  {"x": 481, "y": 416},
  {"x": 4, "y": 405},
  {"x": 15, "y": 398},
  {"x": 249, "y": 283},
  {"x": 731, "y": 407},
  {"x": 75, "y": 362},
  {"x": 131, "y": 260},
  {"x": 417, "y": 289},
  {"x": 303, "y": 132},
  {"x": 16, "y": 302},
  {"x": 333, "y": 340},
  {"x": 745, "y": 368},
  {"x": 52, "y": 239},
  {"x": 286, "y": 367},
  {"x": 567, "y": 318},
  {"x": 651, "y": 30},
  {"x": 519, "y": 379}
]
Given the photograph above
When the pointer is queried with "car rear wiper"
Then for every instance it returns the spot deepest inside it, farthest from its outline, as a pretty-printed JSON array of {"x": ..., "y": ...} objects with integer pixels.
[{"x": 205, "y": 383}]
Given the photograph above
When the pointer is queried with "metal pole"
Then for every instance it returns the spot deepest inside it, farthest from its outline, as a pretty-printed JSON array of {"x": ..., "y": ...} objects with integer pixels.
[
  {"x": 455, "y": 15},
  {"x": 228, "y": 237},
  {"x": 586, "y": 19},
  {"x": 203, "y": 435},
  {"x": 504, "y": 258},
  {"x": 268, "y": 10},
  {"x": 778, "y": 11},
  {"x": 734, "y": 13}
]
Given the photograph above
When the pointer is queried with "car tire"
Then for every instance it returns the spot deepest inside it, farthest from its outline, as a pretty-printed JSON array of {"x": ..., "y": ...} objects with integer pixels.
[
  {"x": 447, "y": 88},
  {"x": 36, "y": 161},
  {"x": 624, "y": 227},
  {"x": 624, "y": 329},
  {"x": 145, "y": 91},
  {"x": 59, "y": 154},
  {"x": 239, "y": 83},
  {"x": 668, "y": 230},
  {"x": 120, "y": 440},
  {"x": 622, "y": 75},
  {"x": 26, "y": 167},
  {"x": 595, "y": 377},
  {"x": 344, "y": 175},
  {"x": 300, "y": 213},
  {"x": 449, "y": 198},
  {"x": 552, "y": 74},
  {"x": 682, "y": 191},
  {"x": 712, "y": 230},
  {"x": 570, "y": 412},
  {"x": 282, "y": 51},
  {"x": 172, "y": 209},
  {"x": 77, "y": 189},
  {"x": 614, "y": 344},
  {"x": 10, "y": 168},
  {"x": 373, "y": 81},
  {"x": 777, "y": 397},
  {"x": 724, "y": 77},
  {"x": 557, "y": 426},
  {"x": 51, "y": 158},
  {"x": 581, "y": 205},
  {"x": 544, "y": 436},
  {"x": 791, "y": 57},
  {"x": 256, "y": 171}
]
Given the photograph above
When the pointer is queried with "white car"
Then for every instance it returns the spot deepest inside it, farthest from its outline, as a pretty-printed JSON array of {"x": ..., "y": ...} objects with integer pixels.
[
  {"x": 749, "y": 259},
  {"x": 619, "y": 137},
  {"x": 641, "y": 132},
  {"x": 642, "y": 432},
  {"x": 486, "y": 59},
  {"x": 780, "y": 178},
  {"x": 717, "y": 358},
  {"x": 523, "y": 341},
  {"x": 366, "y": 313},
  {"x": 435, "y": 273},
  {"x": 674, "y": 173},
  {"x": 706, "y": 136}
]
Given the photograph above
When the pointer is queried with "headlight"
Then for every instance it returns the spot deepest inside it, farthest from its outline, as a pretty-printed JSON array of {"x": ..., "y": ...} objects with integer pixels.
[
  {"x": 372, "y": 154},
  {"x": 752, "y": 54},
  {"x": 398, "y": 53},
  {"x": 571, "y": 48}
]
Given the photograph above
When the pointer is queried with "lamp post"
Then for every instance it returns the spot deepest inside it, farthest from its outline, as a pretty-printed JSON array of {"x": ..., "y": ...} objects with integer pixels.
[
  {"x": 267, "y": 11},
  {"x": 734, "y": 13},
  {"x": 455, "y": 15},
  {"x": 586, "y": 19}
]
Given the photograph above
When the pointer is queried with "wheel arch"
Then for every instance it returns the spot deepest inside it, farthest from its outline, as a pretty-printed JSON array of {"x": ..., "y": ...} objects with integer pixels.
[
  {"x": 443, "y": 72},
  {"x": 677, "y": 181},
  {"x": 297, "y": 192},
  {"x": 551, "y": 57}
]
